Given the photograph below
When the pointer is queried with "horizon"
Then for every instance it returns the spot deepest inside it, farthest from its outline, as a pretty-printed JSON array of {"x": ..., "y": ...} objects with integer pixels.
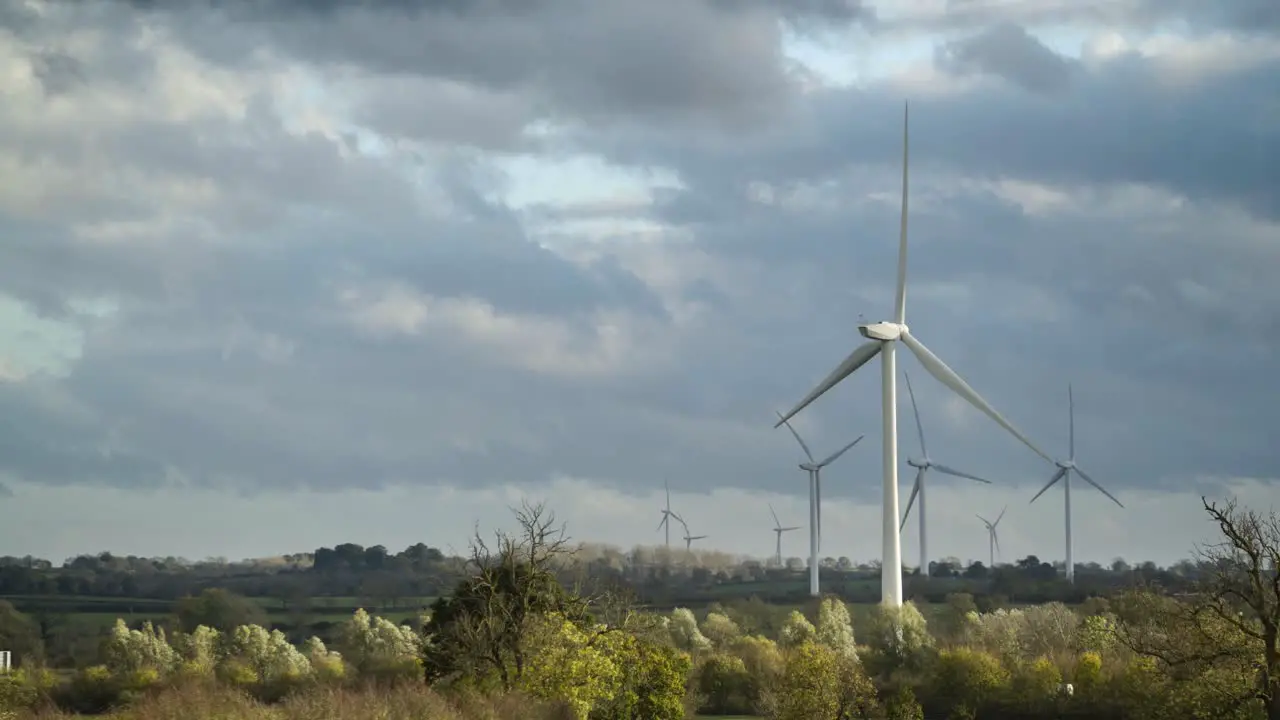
[{"x": 275, "y": 275}]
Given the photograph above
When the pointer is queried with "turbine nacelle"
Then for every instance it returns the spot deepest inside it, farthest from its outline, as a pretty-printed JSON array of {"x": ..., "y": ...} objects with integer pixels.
[
  {"x": 810, "y": 467},
  {"x": 921, "y": 463},
  {"x": 883, "y": 331},
  {"x": 1065, "y": 464}
]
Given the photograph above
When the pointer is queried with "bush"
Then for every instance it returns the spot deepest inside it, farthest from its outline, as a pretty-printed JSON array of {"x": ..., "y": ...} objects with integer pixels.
[{"x": 967, "y": 678}]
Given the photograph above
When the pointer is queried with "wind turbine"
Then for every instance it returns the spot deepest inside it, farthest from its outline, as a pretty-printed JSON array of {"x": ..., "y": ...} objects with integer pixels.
[
  {"x": 993, "y": 540},
  {"x": 922, "y": 467},
  {"x": 814, "y": 468},
  {"x": 778, "y": 530},
  {"x": 688, "y": 539},
  {"x": 882, "y": 340},
  {"x": 1064, "y": 474},
  {"x": 665, "y": 522}
]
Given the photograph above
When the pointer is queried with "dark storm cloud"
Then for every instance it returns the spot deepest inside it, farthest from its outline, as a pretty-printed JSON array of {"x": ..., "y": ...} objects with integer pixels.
[
  {"x": 1010, "y": 52},
  {"x": 1123, "y": 122},
  {"x": 670, "y": 59}
]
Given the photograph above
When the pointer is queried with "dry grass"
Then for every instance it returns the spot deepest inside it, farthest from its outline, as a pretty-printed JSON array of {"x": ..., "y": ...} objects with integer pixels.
[{"x": 204, "y": 702}]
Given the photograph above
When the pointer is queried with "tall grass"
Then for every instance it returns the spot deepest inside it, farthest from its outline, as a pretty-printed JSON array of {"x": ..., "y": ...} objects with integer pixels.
[{"x": 203, "y": 701}]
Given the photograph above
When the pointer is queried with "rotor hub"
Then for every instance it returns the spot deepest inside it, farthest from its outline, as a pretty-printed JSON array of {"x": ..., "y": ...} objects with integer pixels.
[{"x": 883, "y": 331}]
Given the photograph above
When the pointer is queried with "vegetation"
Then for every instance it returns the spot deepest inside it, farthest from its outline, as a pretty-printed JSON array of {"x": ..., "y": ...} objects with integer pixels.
[{"x": 513, "y": 639}]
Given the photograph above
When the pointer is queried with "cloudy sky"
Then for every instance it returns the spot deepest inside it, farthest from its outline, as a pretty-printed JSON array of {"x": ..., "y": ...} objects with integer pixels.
[{"x": 282, "y": 274}]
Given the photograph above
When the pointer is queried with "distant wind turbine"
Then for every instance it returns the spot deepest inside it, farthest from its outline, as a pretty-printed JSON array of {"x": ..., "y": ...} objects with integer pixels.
[
  {"x": 993, "y": 540},
  {"x": 665, "y": 522},
  {"x": 814, "y": 468},
  {"x": 882, "y": 340},
  {"x": 778, "y": 530},
  {"x": 922, "y": 467},
  {"x": 1064, "y": 474}
]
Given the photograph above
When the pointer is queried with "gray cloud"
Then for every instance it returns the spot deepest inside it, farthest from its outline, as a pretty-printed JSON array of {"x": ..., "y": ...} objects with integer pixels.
[
  {"x": 1008, "y": 51},
  {"x": 232, "y": 245}
]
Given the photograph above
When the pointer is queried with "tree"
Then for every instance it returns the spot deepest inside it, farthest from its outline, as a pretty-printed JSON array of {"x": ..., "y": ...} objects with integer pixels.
[
  {"x": 20, "y": 635},
  {"x": 1226, "y": 635},
  {"x": 219, "y": 609},
  {"x": 485, "y": 628}
]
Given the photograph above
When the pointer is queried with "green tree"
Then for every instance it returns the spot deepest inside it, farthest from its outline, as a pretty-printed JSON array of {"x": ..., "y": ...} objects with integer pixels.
[
  {"x": 20, "y": 635},
  {"x": 219, "y": 609}
]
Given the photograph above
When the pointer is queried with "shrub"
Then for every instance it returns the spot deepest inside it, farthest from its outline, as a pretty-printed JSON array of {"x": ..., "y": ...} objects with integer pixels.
[
  {"x": 967, "y": 678},
  {"x": 720, "y": 630},
  {"x": 796, "y": 630},
  {"x": 724, "y": 685},
  {"x": 899, "y": 638},
  {"x": 685, "y": 633}
]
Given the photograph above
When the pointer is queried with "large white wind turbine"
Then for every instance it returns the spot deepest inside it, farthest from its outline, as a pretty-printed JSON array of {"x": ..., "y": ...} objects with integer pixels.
[
  {"x": 1064, "y": 474},
  {"x": 665, "y": 522},
  {"x": 992, "y": 539},
  {"x": 882, "y": 340},
  {"x": 778, "y": 530},
  {"x": 814, "y": 468},
  {"x": 922, "y": 466}
]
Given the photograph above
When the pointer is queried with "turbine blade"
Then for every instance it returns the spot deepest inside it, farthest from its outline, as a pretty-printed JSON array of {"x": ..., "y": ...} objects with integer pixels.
[
  {"x": 1071, "y": 411},
  {"x": 667, "y": 486},
  {"x": 842, "y": 450},
  {"x": 996, "y": 536},
  {"x": 948, "y": 377},
  {"x": 796, "y": 435},
  {"x": 915, "y": 490},
  {"x": 856, "y": 359},
  {"x": 916, "y": 411},
  {"x": 1001, "y": 515},
  {"x": 951, "y": 471},
  {"x": 661, "y": 523},
  {"x": 1101, "y": 489},
  {"x": 797, "y": 527},
  {"x": 775, "y": 516},
  {"x": 984, "y": 520},
  {"x": 900, "y": 298},
  {"x": 1056, "y": 477}
]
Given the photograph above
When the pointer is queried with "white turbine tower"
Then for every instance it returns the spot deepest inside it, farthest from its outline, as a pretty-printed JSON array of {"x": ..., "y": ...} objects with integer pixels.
[
  {"x": 992, "y": 539},
  {"x": 922, "y": 466},
  {"x": 814, "y": 468},
  {"x": 1064, "y": 474},
  {"x": 882, "y": 340},
  {"x": 778, "y": 530},
  {"x": 665, "y": 522}
]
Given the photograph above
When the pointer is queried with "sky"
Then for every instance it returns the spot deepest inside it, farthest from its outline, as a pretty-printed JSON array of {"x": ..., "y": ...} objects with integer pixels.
[{"x": 277, "y": 275}]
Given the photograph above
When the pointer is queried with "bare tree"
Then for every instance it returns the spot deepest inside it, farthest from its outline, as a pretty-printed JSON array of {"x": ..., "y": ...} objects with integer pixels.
[
  {"x": 486, "y": 626},
  {"x": 1232, "y": 620}
]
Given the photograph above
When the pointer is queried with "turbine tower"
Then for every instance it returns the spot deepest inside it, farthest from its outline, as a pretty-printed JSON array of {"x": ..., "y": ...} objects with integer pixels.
[
  {"x": 814, "y": 468},
  {"x": 922, "y": 467},
  {"x": 665, "y": 522},
  {"x": 778, "y": 530},
  {"x": 993, "y": 540},
  {"x": 1064, "y": 474},
  {"x": 882, "y": 339}
]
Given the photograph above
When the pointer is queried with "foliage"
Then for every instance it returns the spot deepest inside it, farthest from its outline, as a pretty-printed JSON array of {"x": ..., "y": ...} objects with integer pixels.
[
  {"x": 903, "y": 706},
  {"x": 796, "y": 630},
  {"x": 720, "y": 630},
  {"x": 564, "y": 663},
  {"x": 964, "y": 677},
  {"x": 819, "y": 683},
  {"x": 724, "y": 684},
  {"x": 835, "y": 629},
  {"x": 132, "y": 651},
  {"x": 378, "y": 648},
  {"x": 484, "y": 628},
  {"x": 685, "y": 633},
  {"x": 652, "y": 680},
  {"x": 219, "y": 609},
  {"x": 899, "y": 637}
]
